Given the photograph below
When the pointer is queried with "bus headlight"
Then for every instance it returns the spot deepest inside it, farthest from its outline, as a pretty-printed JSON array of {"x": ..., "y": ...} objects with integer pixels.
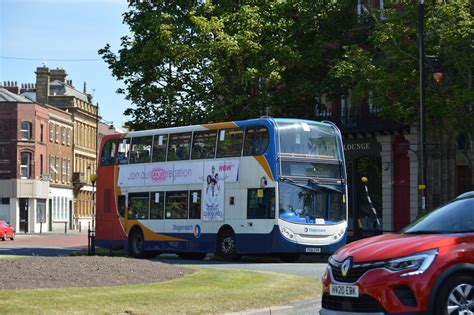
[
  {"x": 287, "y": 233},
  {"x": 339, "y": 234}
]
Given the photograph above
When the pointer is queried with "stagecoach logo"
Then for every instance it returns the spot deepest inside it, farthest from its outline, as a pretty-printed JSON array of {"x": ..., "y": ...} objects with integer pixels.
[
  {"x": 346, "y": 266},
  {"x": 197, "y": 231}
]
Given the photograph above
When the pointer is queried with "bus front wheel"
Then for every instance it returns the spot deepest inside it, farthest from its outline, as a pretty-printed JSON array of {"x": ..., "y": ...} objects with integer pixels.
[
  {"x": 136, "y": 244},
  {"x": 226, "y": 246}
]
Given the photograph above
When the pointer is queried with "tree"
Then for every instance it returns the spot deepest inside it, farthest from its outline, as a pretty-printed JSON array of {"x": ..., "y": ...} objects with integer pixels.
[
  {"x": 189, "y": 62},
  {"x": 386, "y": 63}
]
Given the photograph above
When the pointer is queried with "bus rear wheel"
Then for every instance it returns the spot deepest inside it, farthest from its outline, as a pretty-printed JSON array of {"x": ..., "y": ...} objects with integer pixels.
[
  {"x": 226, "y": 246},
  {"x": 136, "y": 244}
]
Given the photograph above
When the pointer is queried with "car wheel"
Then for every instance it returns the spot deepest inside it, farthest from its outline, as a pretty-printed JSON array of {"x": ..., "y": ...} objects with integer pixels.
[
  {"x": 456, "y": 296},
  {"x": 4, "y": 237},
  {"x": 226, "y": 246},
  {"x": 12, "y": 237},
  {"x": 136, "y": 244}
]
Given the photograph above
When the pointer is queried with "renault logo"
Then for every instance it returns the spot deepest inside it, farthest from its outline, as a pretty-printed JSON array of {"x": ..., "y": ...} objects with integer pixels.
[{"x": 346, "y": 265}]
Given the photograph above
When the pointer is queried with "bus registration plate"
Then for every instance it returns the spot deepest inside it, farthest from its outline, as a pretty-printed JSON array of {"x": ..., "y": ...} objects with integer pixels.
[
  {"x": 344, "y": 290},
  {"x": 313, "y": 250}
]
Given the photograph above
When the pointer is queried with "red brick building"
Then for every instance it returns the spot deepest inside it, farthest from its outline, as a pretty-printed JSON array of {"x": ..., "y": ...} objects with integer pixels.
[{"x": 24, "y": 182}]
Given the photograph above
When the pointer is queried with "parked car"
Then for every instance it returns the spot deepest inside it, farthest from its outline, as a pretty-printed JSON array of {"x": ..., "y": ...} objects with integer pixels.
[
  {"x": 6, "y": 231},
  {"x": 427, "y": 268}
]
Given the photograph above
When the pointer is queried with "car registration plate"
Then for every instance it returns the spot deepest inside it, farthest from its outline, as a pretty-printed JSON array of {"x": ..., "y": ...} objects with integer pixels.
[
  {"x": 344, "y": 290},
  {"x": 313, "y": 250}
]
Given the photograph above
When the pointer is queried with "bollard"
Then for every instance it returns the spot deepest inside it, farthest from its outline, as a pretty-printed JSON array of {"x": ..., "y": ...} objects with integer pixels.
[
  {"x": 65, "y": 227},
  {"x": 80, "y": 227},
  {"x": 88, "y": 242},
  {"x": 41, "y": 227},
  {"x": 93, "y": 243}
]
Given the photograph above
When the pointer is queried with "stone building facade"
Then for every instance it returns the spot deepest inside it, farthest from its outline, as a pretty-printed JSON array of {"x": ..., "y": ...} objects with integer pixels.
[
  {"x": 53, "y": 89},
  {"x": 60, "y": 159}
]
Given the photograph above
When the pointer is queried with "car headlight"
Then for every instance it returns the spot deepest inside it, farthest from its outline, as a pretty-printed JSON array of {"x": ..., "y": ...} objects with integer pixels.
[
  {"x": 418, "y": 263},
  {"x": 287, "y": 233}
]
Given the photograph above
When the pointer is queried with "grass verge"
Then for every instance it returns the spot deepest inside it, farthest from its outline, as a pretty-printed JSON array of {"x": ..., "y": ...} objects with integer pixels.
[{"x": 206, "y": 291}]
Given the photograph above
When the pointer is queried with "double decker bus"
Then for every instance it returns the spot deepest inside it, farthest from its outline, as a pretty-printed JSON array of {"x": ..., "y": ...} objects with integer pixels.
[{"x": 269, "y": 186}]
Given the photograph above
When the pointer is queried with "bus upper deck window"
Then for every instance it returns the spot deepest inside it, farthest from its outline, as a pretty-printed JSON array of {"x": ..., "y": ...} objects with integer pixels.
[
  {"x": 141, "y": 150},
  {"x": 123, "y": 148},
  {"x": 178, "y": 148},
  {"x": 204, "y": 144},
  {"x": 159, "y": 148},
  {"x": 109, "y": 152},
  {"x": 256, "y": 141},
  {"x": 229, "y": 143}
]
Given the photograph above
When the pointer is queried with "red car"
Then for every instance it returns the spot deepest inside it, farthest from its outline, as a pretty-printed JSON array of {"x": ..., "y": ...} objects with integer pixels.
[
  {"x": 427, "y": 268},
  {"x": 6, "y": 231}
]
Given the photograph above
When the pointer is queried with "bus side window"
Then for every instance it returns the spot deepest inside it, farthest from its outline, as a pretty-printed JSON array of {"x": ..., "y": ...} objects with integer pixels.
[
  {"x": 229, "y": 143},
  {"x": 157, "y": 205},
  {"x": 159, "y": 148},
  {"x": 121, "y": 205},
  {"x": 178, "y": 148},
  {"x": 176, "y": 205},
  {"x": 138, "y": 204},
  {"x": 109, "y": 152},
  {"x": 195, "y": 204},
  {"x": 141, "y": 150},
  {"x": 204, "y": 144},
  {"x": 261, "y": 203},
  {"x": 256, "y": 141},
  {"x": 123, "y": 148}
]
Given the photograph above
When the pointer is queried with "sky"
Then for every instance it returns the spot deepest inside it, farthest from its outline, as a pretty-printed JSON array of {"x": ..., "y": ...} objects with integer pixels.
[{"x": 59, "y": 33}]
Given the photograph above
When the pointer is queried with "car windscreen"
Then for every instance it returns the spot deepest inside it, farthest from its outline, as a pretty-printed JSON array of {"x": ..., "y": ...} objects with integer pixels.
[{"x": 454, "y": 217}]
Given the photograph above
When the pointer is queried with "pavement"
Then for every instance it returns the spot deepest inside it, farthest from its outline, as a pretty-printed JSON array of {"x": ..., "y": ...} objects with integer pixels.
[{"x": 64, "y": 244}]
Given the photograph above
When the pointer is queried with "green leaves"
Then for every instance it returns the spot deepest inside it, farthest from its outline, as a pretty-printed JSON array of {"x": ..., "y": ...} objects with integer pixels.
[
  {"x": 386, "y": 63},
  {"x": 188, "y": 63}
]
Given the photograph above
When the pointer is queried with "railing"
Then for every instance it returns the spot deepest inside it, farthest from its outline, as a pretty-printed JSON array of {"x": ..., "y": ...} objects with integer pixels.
[
  {"x": 78, "y": 178},
  {"x": 358, "y": 122}
]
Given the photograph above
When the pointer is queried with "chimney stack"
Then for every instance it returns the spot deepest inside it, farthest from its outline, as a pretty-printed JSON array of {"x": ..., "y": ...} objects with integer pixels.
[
  {"x": 85, "y": 87},
  {"x": 42, "y": 84},
  {"x": 58, "y": 75}
]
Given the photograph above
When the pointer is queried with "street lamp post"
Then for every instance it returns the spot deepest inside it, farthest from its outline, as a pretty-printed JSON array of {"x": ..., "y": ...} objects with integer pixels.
[{"x": 422, "y": 110}]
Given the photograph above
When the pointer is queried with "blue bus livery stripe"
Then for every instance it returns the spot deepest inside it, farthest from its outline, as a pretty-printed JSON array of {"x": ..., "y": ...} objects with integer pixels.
[{"x": 273, "y": 242}]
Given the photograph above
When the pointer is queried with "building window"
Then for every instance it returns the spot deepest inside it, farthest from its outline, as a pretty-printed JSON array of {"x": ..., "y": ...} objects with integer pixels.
[
  {"x": 25, "y": 167},
  {"x": 41, "y": 164},
  {"x": 64, "y": 171},
  {"x": 63, "y": 135},
  {"x": 68, "y": 174},
  {"x": 56, "y": 178},
  {"x": 25, "y": 130},
  {"x": 51, "y": 168},
  {"x": 56, "y": 128},
  {"x": 42, "y": 133},
  {"x": 68, "y": 135},
  {"x": 51, "y": 132}
]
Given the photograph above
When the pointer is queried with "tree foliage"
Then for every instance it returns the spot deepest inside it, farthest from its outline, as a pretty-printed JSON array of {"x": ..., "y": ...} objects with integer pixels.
[
  {"x": 189, "y": 62},
  {"x": 387, "y": 63}
]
